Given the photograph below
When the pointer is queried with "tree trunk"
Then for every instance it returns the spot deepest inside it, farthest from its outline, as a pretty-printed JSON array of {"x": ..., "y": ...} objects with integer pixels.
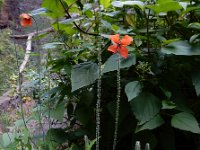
[{"x": 8, "y": 12}]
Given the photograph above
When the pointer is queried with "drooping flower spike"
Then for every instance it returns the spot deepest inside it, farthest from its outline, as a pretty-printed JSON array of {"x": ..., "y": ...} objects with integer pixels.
[
  {"x": 120, "y": 45},
  {"x": 26, "y": 20}
]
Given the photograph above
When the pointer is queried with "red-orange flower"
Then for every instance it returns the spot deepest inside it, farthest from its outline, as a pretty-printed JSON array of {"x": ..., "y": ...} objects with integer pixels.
[
  {"x": 120, "y": 45},
  {"x": 26, "y": 20}
]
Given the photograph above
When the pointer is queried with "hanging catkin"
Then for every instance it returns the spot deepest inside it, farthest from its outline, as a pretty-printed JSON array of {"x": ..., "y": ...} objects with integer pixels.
[
  {"x": 117, "y": 104},
  {"x": 98, "y": 104}
]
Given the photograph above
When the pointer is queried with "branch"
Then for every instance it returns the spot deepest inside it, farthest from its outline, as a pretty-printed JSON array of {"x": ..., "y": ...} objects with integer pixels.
[
  {"x": 27, "y": 54},
  {"x": 25, "y": 36},
  {"x": 28, "y": 45},
  {"x": 79, "y": 28}
]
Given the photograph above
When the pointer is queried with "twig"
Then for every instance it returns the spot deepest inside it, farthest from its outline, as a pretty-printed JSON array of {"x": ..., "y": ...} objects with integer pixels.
[
  {"x": 79, "y": 28},
  {"x": 27, "y": 54},
  {"x": 29, "y": 44},
  {"x": 25, "y": 36}
]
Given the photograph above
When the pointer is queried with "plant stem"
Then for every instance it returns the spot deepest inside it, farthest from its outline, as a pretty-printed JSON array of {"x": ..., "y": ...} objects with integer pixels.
[
  {"x": 117, "y": 104},
  {"x": 20, "y": 77}
]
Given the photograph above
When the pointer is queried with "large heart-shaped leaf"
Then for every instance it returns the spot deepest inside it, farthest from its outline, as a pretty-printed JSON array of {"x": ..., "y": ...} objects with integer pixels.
[
  {"x": 181, "y": 48},
  {"x": 54, "y": 7},
  {"x": 83, "y": 74},
  {"x": 145, "y": 107},
  {"x": 112, "y": 63},
  {"x": 132, "y": 89},
  {"x": 165, "y": 6},
  {"x": 152, "y": 124},
  {"x": 185, "y": 121}
]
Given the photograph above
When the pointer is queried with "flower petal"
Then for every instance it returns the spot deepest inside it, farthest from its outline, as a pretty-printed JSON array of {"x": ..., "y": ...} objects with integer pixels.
[
  {"x": 27, "y": 16},
  {"x": 126, "y": 40},
  {"x": 115, "y": 38},
  {"x": 26, "y": 22},
  {"x": 123, "y": 51},
  {"x": 113, "y": 48}
]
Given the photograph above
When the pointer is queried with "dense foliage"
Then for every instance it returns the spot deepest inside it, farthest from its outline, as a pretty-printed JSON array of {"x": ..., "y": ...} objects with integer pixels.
[
  {"x": 159, "y": 80},
  {"x": 8, "y": 61}
]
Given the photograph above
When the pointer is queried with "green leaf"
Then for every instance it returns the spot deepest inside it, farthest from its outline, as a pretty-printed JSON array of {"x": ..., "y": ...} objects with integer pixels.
[
  {"x": 194, "y": 38},
  {"x": 138, "y": 41},
  {"x": 152, "y": 124},
  {"x": 181, "y": 48},
  {"x": 56, "y": 135},
  {"x": 181, "y": 103},
  {"x": 118, "y": 4},
  {"x": 89, "y": 144},
  {"x": 105, "y": 3},
  {"x": 196, "y": 81},
  {"x": 54, "y": 7},
  {"x": 194, "y": 25},
  {"x": 165, "y": 6},
  {"x": 89, "y": 13},
  {"x": 8, "y": 138},
  {"x": 132, "y": 89},
  {"x": 58, "y": 112},
  {"x": 188, "y": 9},
  {"x": 145, "y": 107},
  {"x": 165, "y": 42},
  {"x": 129, "y": 3},
  {"x": 132, "y": 3},
  {"x": 112, "y": 62},
  {"x": 83, "y": 74},
  {"x": 70, "y": 20},
  {"x": 166, "y": 104},
  {"x": 167, "y": 93},
  {"x": 74, "y": 147},
  {"x": 26, "y": 135},
  {"x": 115, "y": 27},
  {"x": 185, "y": 121},
  {"x": 19, "y": 123},
  {"x": 130, "y": 20},
  {"x": 38, "y": 11},
  {"x": 51, "y": 45},
  {"x": 70, "y": 2}
]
